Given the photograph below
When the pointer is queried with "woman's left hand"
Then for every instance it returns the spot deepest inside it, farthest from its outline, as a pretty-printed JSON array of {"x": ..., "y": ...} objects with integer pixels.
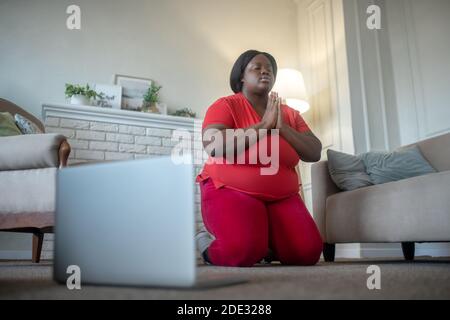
[
  {"x": 280, "y": 122},
  {"x": 307, "y": 145}
]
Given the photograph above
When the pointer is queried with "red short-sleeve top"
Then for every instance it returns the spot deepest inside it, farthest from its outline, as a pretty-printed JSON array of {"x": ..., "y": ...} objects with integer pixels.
[{"x": 235, "y": 111}]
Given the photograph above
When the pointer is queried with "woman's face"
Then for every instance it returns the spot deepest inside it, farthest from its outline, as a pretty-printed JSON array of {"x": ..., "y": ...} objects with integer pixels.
[{"x": 258, "y": 75}]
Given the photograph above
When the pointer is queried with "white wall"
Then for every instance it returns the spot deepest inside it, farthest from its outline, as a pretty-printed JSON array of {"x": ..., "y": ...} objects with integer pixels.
[
  {"x": 420, "y": 42},
  {"x": 400, "y": 75},
  {"x": 370, "y": 71},
  {"x": 187, "y": 46}
]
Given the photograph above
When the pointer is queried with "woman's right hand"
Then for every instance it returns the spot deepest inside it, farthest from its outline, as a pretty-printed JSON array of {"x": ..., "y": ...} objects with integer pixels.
[{"x": 270, "y": 118}]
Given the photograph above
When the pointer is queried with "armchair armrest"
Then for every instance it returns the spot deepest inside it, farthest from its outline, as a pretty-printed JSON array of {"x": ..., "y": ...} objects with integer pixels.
[
  {"x": 322, "y": 188},
  {"x": 63, "y": 153},
  {"x": 33, "y": 151}
]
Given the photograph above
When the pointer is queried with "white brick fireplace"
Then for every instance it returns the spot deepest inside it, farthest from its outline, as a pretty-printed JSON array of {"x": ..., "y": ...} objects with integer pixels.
[{"x": 102, "y": 134}]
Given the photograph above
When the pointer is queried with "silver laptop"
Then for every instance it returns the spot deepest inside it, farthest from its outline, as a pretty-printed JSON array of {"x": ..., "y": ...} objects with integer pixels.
[{"x": 128, "y": 223}]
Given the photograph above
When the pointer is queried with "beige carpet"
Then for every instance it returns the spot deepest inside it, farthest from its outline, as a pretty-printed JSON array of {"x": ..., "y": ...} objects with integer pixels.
[{"x": 422, "y": 279}]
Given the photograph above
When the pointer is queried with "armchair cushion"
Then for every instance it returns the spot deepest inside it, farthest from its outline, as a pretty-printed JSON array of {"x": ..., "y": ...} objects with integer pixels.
[
  {"x": 28, "y": 198},
  {"x": 385, "y": 167},
  {"x": 7, "y": 125},
  {"x": 27, "y": 190},
  {"x": 25, "y": 125},
  {"x": 31, "y": 151},
  {"x": 347, "y": 171}
]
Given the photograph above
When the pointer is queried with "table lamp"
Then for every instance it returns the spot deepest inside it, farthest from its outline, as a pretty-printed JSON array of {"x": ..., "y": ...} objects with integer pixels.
[{"x": 291, "y": 87}]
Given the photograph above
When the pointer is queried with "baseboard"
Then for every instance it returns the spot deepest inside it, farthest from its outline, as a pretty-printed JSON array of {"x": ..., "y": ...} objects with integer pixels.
[
  {"x": 381, "y": 253},
  {"x": 433, "y": 249},
  {"x": 348, "y": 250},
  {"x": 422, "y": 249}
]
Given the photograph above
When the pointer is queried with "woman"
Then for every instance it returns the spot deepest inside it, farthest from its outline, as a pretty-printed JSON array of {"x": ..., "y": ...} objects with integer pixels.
[{"x": 246, "y": 211}]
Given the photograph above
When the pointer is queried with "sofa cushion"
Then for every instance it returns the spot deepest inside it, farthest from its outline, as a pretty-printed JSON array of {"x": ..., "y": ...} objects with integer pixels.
[
  {"x": 347, "y": 171},
  {"x": 404, "y": 163},
  {"x": 25, "y": 125},
  {"x": 7, "y": 125}
]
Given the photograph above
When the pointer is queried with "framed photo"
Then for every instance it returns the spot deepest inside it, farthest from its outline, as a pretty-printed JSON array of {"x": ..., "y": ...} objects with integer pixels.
[
  {"x": 112, "y": 96},
  {"x": 133, "y": 90}
]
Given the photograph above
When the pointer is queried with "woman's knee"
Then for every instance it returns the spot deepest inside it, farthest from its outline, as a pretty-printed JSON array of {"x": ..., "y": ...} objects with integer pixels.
[
  {"x": 303, "y": 255},
  {"x": 234, "y": 254}
]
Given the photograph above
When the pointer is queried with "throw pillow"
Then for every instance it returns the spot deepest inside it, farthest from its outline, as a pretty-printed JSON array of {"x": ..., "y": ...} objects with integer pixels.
[
  {"x": 347, "y": 171},
  {"x": 7, "y": 125},
  {"x": 400, "y": 164},
  {"x": 26, "y": 126}
]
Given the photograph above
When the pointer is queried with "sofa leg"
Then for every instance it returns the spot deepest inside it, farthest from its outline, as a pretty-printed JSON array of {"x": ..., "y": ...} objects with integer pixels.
[
  {"x": 328, "y": 251},
  {"x": 408, "y": 250},
  {"x": 38, "y": 238}
]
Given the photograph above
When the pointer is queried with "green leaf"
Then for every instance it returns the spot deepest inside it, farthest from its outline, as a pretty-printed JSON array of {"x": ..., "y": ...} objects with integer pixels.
[{"x": 73, "y": 89}]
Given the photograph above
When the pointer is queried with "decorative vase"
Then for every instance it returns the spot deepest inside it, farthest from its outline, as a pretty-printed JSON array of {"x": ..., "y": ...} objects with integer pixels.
[
  {"x": 149, "y": 107},
  {"x": 79, "y": 99}
]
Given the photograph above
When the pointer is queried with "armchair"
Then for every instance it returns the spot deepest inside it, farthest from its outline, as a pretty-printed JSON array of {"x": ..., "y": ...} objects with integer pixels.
[
  {"x": 407, "y": 211},
  {"x": 28, "y": 167}
]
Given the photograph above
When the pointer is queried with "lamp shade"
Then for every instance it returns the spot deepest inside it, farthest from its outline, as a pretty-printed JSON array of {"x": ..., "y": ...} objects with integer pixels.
[{"x": 291, "y": 86}]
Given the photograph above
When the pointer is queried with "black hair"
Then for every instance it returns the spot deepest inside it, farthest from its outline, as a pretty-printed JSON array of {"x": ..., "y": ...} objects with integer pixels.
[{"x": 240, "y": 65}]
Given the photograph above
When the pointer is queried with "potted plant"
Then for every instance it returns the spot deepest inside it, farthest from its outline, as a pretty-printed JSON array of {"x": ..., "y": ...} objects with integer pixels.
[
  {"x": 151, "y": 98},
  {"x": 185, "y": 112},
  {"x": 81, "y": 95}
]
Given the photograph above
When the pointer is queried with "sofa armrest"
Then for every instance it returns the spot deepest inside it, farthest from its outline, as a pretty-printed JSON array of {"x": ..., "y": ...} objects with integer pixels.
[
  {"x": 322, "y": 188},
  {"x": 33, "y": 151}
]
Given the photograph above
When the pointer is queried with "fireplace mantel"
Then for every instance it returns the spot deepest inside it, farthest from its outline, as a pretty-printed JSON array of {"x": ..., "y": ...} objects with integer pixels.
[{"x": 118, "y": 116}]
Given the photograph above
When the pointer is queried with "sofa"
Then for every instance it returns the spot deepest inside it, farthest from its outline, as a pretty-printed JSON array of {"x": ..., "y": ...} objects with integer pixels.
[
  {"x": 407, "y": 211},
  {"x": 28, "y": 168}
]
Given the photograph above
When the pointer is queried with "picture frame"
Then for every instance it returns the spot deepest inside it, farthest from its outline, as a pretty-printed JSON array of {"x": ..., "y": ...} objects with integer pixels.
[
  {"x": 133, "y": 90},
  {"x": 112, "y": 96}
]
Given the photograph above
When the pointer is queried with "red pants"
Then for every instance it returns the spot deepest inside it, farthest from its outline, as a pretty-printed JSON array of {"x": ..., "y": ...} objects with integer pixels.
[{"x": 245, "y": 227}]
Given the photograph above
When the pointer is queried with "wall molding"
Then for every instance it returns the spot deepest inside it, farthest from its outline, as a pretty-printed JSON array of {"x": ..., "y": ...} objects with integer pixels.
[
  {"x": 381, "y": 86},
  {"x": 421, "y": 104},
  {"x": 330, "y": 87},
  {"x": 362, "y": 76},
  {"x": 319, "y": 110},
  {"x": 414, "y": 64}
]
